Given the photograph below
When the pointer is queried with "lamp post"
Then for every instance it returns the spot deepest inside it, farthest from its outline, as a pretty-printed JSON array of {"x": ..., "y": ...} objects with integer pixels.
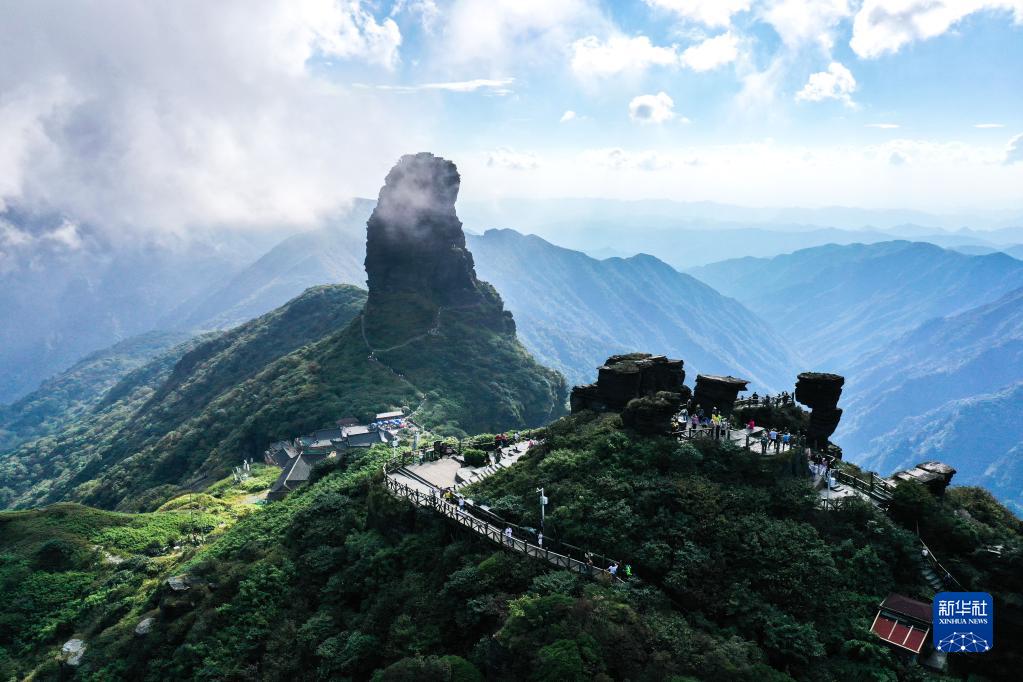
[{"x": 543, "y": 505}]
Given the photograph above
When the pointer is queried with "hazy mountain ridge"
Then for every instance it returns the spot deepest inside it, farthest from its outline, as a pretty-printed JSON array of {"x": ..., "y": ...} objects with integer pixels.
[
  {"x": 574, "y": 311},
  {"x": 70, "y": 289},
  {"x": 979, "y": 435},
  {"x": 958, "y": 366},
  {"x": 842, "y": 302}
]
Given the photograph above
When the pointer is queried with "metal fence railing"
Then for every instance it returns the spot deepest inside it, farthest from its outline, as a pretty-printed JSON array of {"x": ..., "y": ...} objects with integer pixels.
[{"x": 435, "y": 501}]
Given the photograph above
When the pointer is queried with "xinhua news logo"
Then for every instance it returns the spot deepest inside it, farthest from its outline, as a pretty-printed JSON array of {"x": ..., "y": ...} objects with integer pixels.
[{"x": 964, "y": 622}]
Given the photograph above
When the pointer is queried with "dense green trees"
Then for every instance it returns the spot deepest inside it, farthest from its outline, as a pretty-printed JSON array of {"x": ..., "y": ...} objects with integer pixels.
[{"x": 737, "y": 575}]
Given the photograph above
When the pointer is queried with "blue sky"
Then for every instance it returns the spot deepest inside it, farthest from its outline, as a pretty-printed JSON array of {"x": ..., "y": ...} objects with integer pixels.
[{"x": 264, "y": 112}]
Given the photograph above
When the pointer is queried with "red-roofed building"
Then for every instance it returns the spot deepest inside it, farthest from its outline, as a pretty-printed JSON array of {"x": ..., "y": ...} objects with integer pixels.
[{"x": 904, "y": 623}]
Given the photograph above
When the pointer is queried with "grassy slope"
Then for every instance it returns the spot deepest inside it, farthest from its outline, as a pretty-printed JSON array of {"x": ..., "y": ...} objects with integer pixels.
[
  {"x": 69, "y": 570},
  {"x": 739, "y": 578}
]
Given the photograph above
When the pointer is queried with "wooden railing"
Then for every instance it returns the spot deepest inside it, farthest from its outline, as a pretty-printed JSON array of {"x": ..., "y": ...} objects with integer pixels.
[
  {"x": 928, "y": 556},
  {"x": 434, "y": 501},
  {"x": 876, "y": 487}
]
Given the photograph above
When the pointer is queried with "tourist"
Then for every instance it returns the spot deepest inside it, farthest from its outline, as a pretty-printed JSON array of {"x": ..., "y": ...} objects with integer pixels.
[
  {"x": 763, "y": 442},
  {"x": 772, "y": 435},
  {"x": 461, "y": 504},
  {"x": 785, "y": 439},
  {"x": 508, "y": 535},
  {"x": 613, "y": 569},
  {"x": 750, "y": 425},
  {"x": 628, "y": 571},
  {"x": 539, "y": 539}
]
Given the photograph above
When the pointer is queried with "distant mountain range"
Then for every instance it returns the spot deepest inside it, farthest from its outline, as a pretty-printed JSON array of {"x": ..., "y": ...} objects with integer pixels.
[
  {"x": 67, "y": 290},
  {"x": 686, "y": 235},
  {"x": 836, "y": 303},
  {"x": 72, "y": 393},
  {"x": 950, "y": 389},
  {"x": 574, "y": 311},
  {"x": 331, "y": 254}
]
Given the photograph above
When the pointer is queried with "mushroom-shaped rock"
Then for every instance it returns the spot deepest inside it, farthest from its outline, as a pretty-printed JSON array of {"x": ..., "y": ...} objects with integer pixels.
[
  {"x": 820, "y": 392},
  {"x": 718, "y": 391},
  {"x": 624, "y": 377}
]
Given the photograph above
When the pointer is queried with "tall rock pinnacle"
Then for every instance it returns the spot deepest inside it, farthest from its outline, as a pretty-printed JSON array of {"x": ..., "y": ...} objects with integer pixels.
[
  {"x": 419, "y": 272},
  {"x": 414, "y": 241}
]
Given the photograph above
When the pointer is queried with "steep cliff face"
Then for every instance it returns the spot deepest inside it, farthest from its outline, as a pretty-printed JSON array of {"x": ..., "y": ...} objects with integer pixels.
[{"x": 417, "y": 264}]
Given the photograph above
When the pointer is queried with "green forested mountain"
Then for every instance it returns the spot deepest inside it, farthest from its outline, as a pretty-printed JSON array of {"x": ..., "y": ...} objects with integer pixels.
[
  {"x": 737, "y": 574},
  {"x": 159, "y": 425},
  {"x": 70, "y": 394}
]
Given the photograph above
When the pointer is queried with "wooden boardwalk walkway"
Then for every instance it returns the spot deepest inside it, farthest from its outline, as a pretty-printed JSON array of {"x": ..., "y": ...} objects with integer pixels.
[{"x": 420, "y": 492}]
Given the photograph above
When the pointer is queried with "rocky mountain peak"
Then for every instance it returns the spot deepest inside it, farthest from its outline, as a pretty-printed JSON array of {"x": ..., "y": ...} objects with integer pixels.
[{"x": 414, "y": 241}]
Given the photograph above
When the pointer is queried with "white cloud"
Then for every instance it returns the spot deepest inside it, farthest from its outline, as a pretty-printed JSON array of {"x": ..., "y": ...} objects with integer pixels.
[
  {"x": 496, "y": 86},
  {"x": 193, "y": 113},
  {"x": 897, "y": 158},
  {"x": 619, "y": 159},
  {"x": 712, "y": 53},
  {"x": 515, "y": 32},
  {"x": 509, "y": 158},
  {"x": 620, "y": 54},
  {"x": 593, "y": 57},
  {"x": 988, "y": 125},
  {"x": 426, "y": 10},
  {"x": 883, "y": 126},
  {"x": 336, "y": 28},
  {"x": 1014, "y": 152},
  {"x": 66, "y": 235},
  {"x": 713, "y": 13},
  {"x": 569, "y": 115},
  {"x": 884, "y": 26},
  {"x": 775, "y": 174},
  {"x": 799, "y": 22},
  {"x": 835, "y": 83},
  {"x": 652, "y": 108}
]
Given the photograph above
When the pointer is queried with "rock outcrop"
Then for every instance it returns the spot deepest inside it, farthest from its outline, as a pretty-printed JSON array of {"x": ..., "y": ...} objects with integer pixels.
[
  {"x": 717, "y": 391},
  {"x": 72, "y": 651},
  {"x": 652, "y": 414},
  {"x": 935, "y": 476},
  {"x": 415, "y": 248},
  {"x": 646, "y": 388},
  {"x": 820, "y": 392}
]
